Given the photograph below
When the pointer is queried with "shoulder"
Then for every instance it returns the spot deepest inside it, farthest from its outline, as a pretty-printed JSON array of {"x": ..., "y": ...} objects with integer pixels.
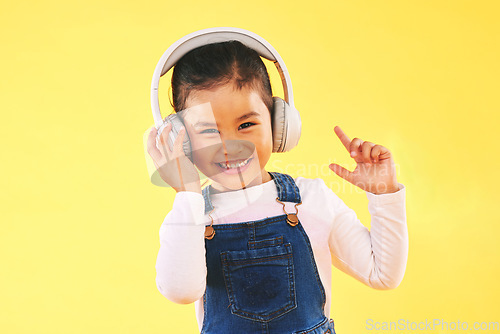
[
  {"x": 311, "y": 185},
  {"x": 316, "y": 190},
  {"x": 320, "y": 206},
  {"x": 304, "y": 182}
]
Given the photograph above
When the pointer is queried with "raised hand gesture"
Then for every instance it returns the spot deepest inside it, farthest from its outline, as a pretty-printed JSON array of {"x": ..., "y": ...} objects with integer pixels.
[
  {"x": 375, "y": 171},
  {"x": 172, "y": 164}
]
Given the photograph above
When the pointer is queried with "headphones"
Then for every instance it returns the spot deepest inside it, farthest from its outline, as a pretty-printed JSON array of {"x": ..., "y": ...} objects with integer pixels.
[{"x": 286, "y": 123}]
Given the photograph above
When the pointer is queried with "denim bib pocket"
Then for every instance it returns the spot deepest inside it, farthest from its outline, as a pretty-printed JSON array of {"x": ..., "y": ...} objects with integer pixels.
[{"x": 260, "y": 282}]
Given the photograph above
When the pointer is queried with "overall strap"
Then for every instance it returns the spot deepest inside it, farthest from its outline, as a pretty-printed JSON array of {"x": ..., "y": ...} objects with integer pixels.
[{"x": 287, "y": 189}]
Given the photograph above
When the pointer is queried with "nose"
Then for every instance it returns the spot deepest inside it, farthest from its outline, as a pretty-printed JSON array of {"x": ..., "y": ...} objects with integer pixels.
[{"x": 233, "y": 148}]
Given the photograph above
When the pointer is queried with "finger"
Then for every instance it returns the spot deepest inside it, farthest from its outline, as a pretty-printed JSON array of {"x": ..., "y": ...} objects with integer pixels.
[
  {"x": 366, "y": 149},
  {"x": 151, "y": 145},
  {"x": 355, "y": 147},
  {"x": 178, "y": 143},
  {"x": 163, "y": 139},
  {"x": 341, "y": 171},
  {"x": 375, "y": 152},
  {"x": 342, "y": 136},
  {"x": 379, "y": 153}
]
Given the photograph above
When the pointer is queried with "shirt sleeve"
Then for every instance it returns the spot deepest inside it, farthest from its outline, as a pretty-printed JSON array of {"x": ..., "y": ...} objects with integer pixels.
[
  {"x": 181, "y": 266},
  {"x": 376, "y": 257}
]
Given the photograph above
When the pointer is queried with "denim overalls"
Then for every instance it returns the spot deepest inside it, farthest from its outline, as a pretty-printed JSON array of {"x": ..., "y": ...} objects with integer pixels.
[{"x": 262, "y": 276}]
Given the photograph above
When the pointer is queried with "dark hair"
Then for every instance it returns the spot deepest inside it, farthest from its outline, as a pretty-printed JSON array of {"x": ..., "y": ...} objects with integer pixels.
[{"x": 213, "y": 65}]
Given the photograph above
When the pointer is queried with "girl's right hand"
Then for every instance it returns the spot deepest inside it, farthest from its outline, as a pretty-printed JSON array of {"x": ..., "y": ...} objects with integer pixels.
[{"x": 174, "y": 166}]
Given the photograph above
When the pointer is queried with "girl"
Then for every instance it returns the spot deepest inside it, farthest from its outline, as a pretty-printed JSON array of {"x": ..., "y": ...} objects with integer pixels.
[{"x": 254, "y": 249}]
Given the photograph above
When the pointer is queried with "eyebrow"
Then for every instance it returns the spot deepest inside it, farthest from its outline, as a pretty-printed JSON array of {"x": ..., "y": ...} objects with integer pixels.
[
  {"x": 248, "y": 115},
  {"x": 201, "y": 124},
  {"x": 243, "y": 117}
]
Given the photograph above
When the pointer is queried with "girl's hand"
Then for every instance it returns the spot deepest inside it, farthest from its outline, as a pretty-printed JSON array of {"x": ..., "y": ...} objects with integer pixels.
[
  {"x": 375, "y": 171},
  {"x": 174, "y": 167}
]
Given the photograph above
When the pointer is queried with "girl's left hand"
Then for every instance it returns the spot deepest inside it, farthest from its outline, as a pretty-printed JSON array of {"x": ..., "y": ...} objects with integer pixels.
[{"x": 375, "y": 171}]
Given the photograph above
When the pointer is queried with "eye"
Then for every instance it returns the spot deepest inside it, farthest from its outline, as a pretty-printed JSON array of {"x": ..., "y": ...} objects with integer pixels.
[
  {"x": 210, "y": 131},
  {"x": 246, "y": 125}
]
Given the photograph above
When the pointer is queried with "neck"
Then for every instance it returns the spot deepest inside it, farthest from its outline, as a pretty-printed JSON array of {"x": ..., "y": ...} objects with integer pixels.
[{"x": 219, "y": 188}]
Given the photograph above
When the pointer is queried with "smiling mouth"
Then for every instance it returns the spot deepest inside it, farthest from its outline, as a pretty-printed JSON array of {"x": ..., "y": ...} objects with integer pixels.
[{"x": 234, "y": 164}]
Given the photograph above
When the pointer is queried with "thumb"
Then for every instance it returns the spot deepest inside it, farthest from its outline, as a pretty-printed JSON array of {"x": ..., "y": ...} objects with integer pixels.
[{"x": 341, "y": 171}]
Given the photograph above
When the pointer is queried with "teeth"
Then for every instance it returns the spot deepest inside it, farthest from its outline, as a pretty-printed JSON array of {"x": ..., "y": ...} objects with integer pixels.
[{"x": 233, "y": 165}]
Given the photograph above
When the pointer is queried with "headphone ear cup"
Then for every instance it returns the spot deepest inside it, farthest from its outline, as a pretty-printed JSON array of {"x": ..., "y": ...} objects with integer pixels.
[
  {"x": 286, "y": 126},
  {"x": 177, "y": 124},
  {"x": 278, "y": 123}
]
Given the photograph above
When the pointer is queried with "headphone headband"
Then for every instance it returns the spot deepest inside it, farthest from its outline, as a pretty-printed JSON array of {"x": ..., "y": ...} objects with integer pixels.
[{"x": 216, "y": 35}]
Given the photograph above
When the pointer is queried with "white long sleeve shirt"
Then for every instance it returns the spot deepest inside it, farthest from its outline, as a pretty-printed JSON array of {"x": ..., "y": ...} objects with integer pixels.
[{"x": 376, "y": 257}]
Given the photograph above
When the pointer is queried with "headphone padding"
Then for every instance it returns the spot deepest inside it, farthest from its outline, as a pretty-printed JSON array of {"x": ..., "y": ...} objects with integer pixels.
[
  {"x": 177, "y": 124},
  {"x": 286, "y": 125},
  {"x": 278, "y": 123},
  {"x": 293, "y": 128}
]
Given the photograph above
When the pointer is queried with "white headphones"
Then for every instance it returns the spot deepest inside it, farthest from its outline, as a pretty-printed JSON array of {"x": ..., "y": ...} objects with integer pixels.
[{"x": 286, "y": 123}]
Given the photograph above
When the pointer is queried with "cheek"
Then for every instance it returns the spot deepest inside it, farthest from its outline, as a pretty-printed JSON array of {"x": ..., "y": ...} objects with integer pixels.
[
  {"x": 265, "y": 144},
  {"x": 201, "y": 152},
  {"x": 204, "y": 155},
  {"x": 267, "y": 137}
]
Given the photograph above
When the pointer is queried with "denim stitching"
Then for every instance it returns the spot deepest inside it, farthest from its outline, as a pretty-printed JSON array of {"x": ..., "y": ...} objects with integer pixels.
[
  {"x": 257, "y": 260},
  {"x": 276, "y": 177},
  {"x": 292, "y": 304},
  {"x": 295, "y": 189},
  {"x": 257, "y": 223},
  {"x": 251, "y": 232},
  {"x": 265, "y": 243},
  {"x": 227, "y": 279},
  {"x": 321, "y": 324},
  {"x": 313, "y": 262},
  {"x": 265, "y": 328},
  {"x": 287, "y": 187}
]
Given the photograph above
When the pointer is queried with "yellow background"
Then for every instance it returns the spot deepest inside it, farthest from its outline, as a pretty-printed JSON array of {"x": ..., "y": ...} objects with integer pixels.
[{"x": 80, "y": 218}]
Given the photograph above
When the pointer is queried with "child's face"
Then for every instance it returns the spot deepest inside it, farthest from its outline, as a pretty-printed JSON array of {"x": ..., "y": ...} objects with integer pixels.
[{"x": 231, "y": 135}]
